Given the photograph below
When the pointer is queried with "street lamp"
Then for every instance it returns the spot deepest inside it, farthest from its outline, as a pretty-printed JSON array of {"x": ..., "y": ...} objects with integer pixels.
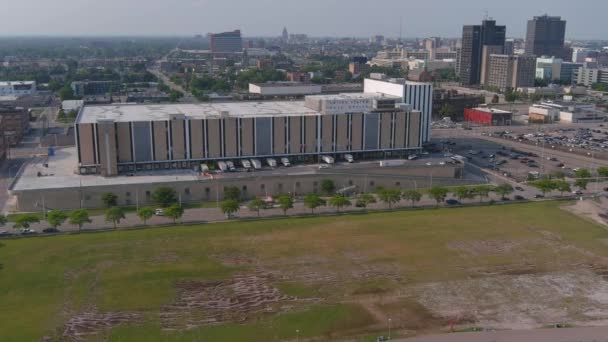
[
  {"x": 297, "y": 335},
  {"x": 389, "y": 328}
]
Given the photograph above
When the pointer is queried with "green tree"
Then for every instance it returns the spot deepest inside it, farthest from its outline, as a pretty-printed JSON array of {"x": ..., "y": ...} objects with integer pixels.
[
  {"x": 582, "y": 178},
  {"x": 26, "y": 220},
  {"x": 3, "y": 220},
  {"x": 390, "y": 196},
  {"x": 482, "y": 191},
  {"x": 313, "y": 201},
  {"x": 439, "y": 194},
  {"x": 174, "y": 212},
  {"x": 562, "y": 186},
  {"x": 413, "y": 196},
  {"x": 229, "y": 207},
  {"x": 56, "y": 218},
  {"x": 339, "y": 201},
  {"x": 109, "y": 199},
  {"x": 66, "y": 93},
  {"x": 365, "y": 200},
  {"x": 79, "y": 218},
  {"x": 504, "y": 190},
  {"x": 464, "y": 192},
  {"x": 447, "y": 110},
  {"x": 115, "y": 215},
  {"x": 602, "y": 171},
  {"x": 328, "y": 187},
  {"x": 544, "y": 185},
  {"x": 256, "y": 205},
  {"x": 232, "y": 193},
  {"x": 145, "y": 214},
  {"x": 164, "y": 196},
  {"x": 286, "y": 203}
]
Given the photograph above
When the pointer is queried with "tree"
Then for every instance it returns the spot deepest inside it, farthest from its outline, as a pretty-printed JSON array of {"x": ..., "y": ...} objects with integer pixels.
[
  {"x": 79, "y": 218},
  {"x": 145, "y": 214},
  {"x": 3, "y": 220},
  {"x": 413, "y": 196},
  {"x": 286, "y": 203},
  {"x": 109, "y": 199},
  {"x": 562, "y": 186},
  {"x": 390, "y": 196},
  {"x": 56, "y": 218},
  {"x": 364, "y": 200},
  {"x": 582, "y": 176},
  {"x": 256, "y": 205},
  {"x": 339, "y": 201},
  {"x": 174, "y": 212},
  {"x": 26, "y": 220},
  {"x": 66, "y": 93},
  {"x": 313, "y": 201},
  {"x": 439, "y": 194},
  {"x": 602, "y": 171},
  {"x": 464, "y": 192},
  {"x": 447, "y": 110},
  {"x": 115, "y": 215},
  {"x": 482, "y": 191},
  {"x": 504, "y": 190},
  {"x": 229, "y": 207},
  {"x": 544, "y": 185},
  {"x": 232, "y": 193},
  {"x": 328, "y": 187},
  {"x": 164, "y": 196}
]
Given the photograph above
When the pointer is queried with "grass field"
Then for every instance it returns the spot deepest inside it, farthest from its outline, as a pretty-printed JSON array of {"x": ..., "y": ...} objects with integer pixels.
[{"x": 328, "y": 277}]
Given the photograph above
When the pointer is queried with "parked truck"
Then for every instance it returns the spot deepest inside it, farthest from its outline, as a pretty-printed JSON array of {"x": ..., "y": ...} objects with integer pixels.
[
  {"x": 271, "y": 162},
  {"x": 231, "y": 166},
  {"x": 222, "y": 166},
  {"x": 257, "y": 164},
  {"x": 388, "y": 163},
  {"x": 328, "y": 159},
  {"x": 246, "y": 164}
]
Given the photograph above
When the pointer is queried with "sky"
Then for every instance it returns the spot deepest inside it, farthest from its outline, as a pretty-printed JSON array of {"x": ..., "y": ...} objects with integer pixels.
[{"x": 344, "y": 18}]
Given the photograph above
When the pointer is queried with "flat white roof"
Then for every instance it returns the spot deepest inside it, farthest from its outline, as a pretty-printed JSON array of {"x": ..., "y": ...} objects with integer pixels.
[
  {"x": 8, "y": 83},
  {"x": 160, "y": 112}
]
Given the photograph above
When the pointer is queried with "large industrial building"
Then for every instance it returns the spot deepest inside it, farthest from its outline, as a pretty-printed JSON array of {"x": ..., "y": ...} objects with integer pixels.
[
  {"x": 114, "y": 139},
  {"x": 417, "y": 94}
]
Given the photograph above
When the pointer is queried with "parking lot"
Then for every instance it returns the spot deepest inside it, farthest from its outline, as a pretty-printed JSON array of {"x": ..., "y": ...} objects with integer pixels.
[{"x": 593, "y": 140}]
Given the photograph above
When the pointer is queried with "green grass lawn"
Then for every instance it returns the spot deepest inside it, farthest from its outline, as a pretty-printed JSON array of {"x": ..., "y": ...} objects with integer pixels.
[{"x": 44, "y": 281}]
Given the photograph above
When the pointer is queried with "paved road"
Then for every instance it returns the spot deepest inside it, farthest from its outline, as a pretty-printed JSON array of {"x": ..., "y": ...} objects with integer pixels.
[
  {"x": 155, "y": 70},
  {"x": 589, "y": 334}
]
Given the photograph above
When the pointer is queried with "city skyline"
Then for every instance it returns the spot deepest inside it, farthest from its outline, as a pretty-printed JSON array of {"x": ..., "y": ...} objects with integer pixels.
[{"x": 265, "y": 18}]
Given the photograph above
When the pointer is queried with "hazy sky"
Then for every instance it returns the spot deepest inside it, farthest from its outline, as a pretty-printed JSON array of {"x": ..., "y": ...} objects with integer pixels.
[{"x": 586, "y": 18}]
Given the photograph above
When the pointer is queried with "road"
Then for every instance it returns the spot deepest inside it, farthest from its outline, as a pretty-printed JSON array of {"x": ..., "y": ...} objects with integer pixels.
[
  {"x": 155, "y": 70},
  {"x": 586, "y": 334}
]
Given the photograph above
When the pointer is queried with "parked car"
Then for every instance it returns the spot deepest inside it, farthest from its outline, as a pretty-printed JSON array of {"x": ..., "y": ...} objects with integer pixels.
[
  {"x": 50, "y": 230},
  {"x": 452, "y": 202},
  {"x": 285, "y": 162},
  {"x": 519, "y": 198},
  {"x": 519, "y": 188},
  {"x": 349, "y": 158},
  {"x": 159, "y": 212},
  {"x": 5, "y": 233},
  {"x": 539, "y": 196},
  {"x": 27, "y": 231}
]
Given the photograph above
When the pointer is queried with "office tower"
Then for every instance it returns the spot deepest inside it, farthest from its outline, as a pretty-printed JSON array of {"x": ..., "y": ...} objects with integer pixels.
[
  {"x": 285, "y": 35},
  {"x": 226, "y": 42},
  {"x": 545, "y": 37},
  {"x": 511, "y": 71},
  {"x": 474, "y": 38}
]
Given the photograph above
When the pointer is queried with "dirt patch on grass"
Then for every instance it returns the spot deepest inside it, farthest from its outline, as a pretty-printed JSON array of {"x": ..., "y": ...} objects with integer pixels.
[
  {"x": 484, "y": 247},
  {"x": 165, "y": 258},
  {"x": 90, "y": 323},
  {"x": 234, "y": 300},
  {"x": 590, "y": 210},
  {"x": 520, "y": 302}
]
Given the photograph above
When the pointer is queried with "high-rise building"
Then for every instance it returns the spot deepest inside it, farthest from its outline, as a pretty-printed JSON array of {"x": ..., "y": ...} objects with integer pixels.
[
  {"x": 511, "y": 71},
  {"x": 545, "y": 36},
  {"x": 474, "y": 38},
  {"x": 285, "y": 35},
  {"x": 226, "y": 42}
]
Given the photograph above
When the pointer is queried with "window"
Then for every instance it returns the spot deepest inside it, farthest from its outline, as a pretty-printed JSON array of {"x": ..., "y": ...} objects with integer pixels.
[
  {"x": 147, "y": 194},
  {"x": 262, "y": 186},
  {"x": 207, "y": 190},
  {"x": 297, "y": 184},
  {"x": 280, "y": 186},
  {"x": 187, "y": 191},
  {"x": 128, "y": 194},
  {"x": 244, "y": 188},
  {"x": 397, "y": 183},
  {"x": 372, "y": 183},
  {"x": 350, "y": 182}
]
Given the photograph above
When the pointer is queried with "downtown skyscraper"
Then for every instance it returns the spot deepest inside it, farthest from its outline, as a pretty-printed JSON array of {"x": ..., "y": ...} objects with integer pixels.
[{"x": 474, "y": 39}]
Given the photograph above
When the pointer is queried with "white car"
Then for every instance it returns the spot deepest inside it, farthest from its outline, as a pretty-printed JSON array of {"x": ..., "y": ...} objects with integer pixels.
[
  {"x": 323, "y": 166},
  {"x": 349, "y": 158},
  {"x": 159, "y": 212},
  {"x": 428, "y": 164}
]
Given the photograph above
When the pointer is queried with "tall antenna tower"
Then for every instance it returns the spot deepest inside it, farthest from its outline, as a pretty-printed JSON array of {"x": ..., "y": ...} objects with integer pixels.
[{"x": 400, "y": 29}]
